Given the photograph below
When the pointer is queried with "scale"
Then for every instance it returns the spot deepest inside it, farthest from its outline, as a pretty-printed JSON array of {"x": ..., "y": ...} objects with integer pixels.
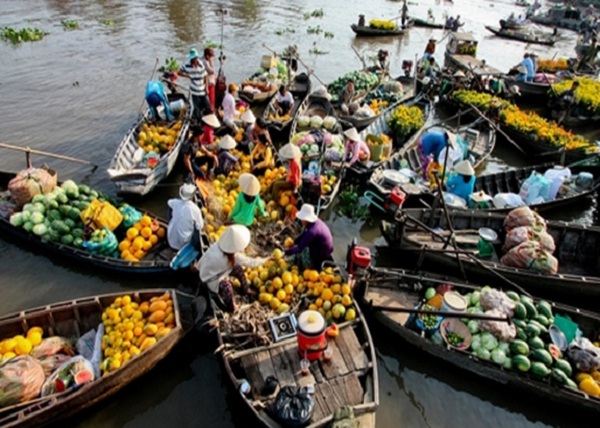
[{"x": 283, "y": 326}]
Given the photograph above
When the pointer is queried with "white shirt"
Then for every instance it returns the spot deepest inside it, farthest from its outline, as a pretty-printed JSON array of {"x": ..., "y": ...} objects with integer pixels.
[
  {"x": 213, "y": 266},
  {"x": 228, "y": 107},
  {"x": 287, "y": 97},
  {"x": 186, "y": 214}
]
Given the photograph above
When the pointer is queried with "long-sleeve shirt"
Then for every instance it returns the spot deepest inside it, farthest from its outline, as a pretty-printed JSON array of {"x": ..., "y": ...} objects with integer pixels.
[
  {"x": 226, "y": 162},
  {"x": 319, "y": 241},
  {"x": 243, "y": 212},
  {"x": 185, "y": 216},
  {"x": 457, "y": 185},
  {"x": 294, "y": 175},
  {"x": 355, "y": 148},
  {"x": 228, "y": 107},
  {"x": 432, "y": 143}
]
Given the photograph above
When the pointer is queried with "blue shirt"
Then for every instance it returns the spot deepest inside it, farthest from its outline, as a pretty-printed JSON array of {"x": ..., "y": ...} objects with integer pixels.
[
  {"x": 433, "y": 142},
  {"x": 528, "y": 64},
  {"x": 155, "y": 89},
  {"x": 457, "y": 185}
]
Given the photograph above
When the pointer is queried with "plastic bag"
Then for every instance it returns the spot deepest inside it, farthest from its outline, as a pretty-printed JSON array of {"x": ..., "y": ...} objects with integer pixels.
[
  {"x": 71, "y": 374},
  {"x": 502, "y": 330},
  {"x": 130, "y": 215},
  {"x": 102, "y": 214},
  {"x": 536, "y": 186},
  {"x": 493, "y": 299},
  {"x": 584, "y": 354},
  {"x": 517, "y": 236},
  {"x": 105, "y": 247},
  {"x": 21, "y": 379},
  {"x": 507, "y": 200},
  {"x": 29, "y": 183},
  {"x": 52, "y": 362},
  {"x": 89, "y": 346},
  {"x": 524, "y": 216},
  {"x": 293, "y": 406},
  {"x": 530, "y": 255},
  {"x": 51, "y": 346}
]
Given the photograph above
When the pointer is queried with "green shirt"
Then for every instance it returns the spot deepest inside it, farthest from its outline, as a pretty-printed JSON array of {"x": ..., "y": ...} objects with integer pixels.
[{"x": 243, "y": 212}]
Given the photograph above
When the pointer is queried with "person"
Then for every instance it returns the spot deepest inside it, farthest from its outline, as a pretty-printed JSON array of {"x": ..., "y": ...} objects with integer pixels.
[
  {"x": 361, "y": 20},
  {"x": 210, "y": 123},
  {"x": 346, "y": 96},
  {"x": 248, "y": 121},
  {"x": 315, "y": 244},
  {"x": 229, "y": 110},
  {"x": 262, "y": 154},
  {"x": 430, "y": 48},
  {"x": 290, "y": 154},
  {"x": 404, "y": 13},
  {"x": 356, "y": 149},
  {"x": 248, "y": 201},
  {"x": 430, "y": 67},
  {"x": 449, "y": 23},
  {"x": 431, "y": 145},
  {"x": 459, "y": 80},
  {"x": 456, "y": 24},
  {"x": 383, "y": 61},
  {"x": 461, "y": 181},
  {"x": 528, "y": 64},
  {"x": 284, "y": 101},
  {"x": 225, "y": 260},
  {"x": 186, "y": 218},
  {"x": 196, "y": 72},
  {"x": 156, "y": 95},
  {"x": 192, "y": 162},
  {"x": 567, "y": 101},
  {"x": 589, "y": 57},
  {"x": 225, "y": 159},
  {"x": 521, "y": 73},
  {"x": 209, "y": 63}
]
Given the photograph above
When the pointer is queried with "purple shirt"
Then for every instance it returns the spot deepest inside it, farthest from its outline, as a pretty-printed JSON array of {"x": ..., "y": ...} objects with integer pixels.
[{"x": 317, "y": 237}]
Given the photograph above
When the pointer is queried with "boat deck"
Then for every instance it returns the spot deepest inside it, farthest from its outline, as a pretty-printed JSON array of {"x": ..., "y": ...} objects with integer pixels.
[
  {"x": 392, "y": 298},
  {"x": 475, "y": 65}
]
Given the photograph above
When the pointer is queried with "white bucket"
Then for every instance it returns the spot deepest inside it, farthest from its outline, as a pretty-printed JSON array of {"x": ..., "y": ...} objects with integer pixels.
[
  {"x": 454, "y": 302},
  {"x": 176, "y": 106}
]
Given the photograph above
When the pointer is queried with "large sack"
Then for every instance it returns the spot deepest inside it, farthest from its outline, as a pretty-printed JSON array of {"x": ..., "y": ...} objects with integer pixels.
[
  {"x": 530, "y": 255},
  {"x": 21, "y": 379},
  {"x": 524, "y": 216},
  {"x": 521, "y": 234},
  {"x": 29, "y": 183}
]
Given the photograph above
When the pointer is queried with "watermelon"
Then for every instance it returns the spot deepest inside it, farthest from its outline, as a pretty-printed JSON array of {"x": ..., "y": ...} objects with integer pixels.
[
  {"x": 519, "y": 347},
  {"x": 60, "y": 227},
  {"x": 542, "y": 355},
  {"x": 545, "y": 309},
  {"x": 74, "y": 213},
  {"x": 77, "y": 232},
  {"x": 521, "y": 363},
  {"x": 54, "y": 214},
  {"x": 564, "y": 366},
  {"x": 84, "y": 189},
  {"x": 512, "y": 295},
  {"x": 520, "y": 311},
  {"x": 532, "y": 330},
  {"x": 539, "y": 369},
  {"x": 78, "y": 242},
  {"x": 61, "y": 198},
  {"x": 536, "y": 343},
  {"x": 67, "y": 239}
]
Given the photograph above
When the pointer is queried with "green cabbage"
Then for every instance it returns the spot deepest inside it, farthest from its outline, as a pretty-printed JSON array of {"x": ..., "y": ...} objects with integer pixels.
[
  {"x": 316, "y": 121},
  {"x": 37, "y": 218},
  {"x": 476, "y": 342},
  {"x": 17, "y": 219},
  {"x": 504, "y": 346},
  {"x": 28, "y": 226},
  {"x": 329, "y": 122},
  {"x": 303, "y": 121},
  {"x": 70, "y": 186},
  {"x": 473, "y": 326},
  {"x": 475, "y": 298},
  {"x": 488, "y": 341},
  {"x": 483, "y": 353},
  {"x": 498, "y": 356},
  {"x": 40, "y": 229}
]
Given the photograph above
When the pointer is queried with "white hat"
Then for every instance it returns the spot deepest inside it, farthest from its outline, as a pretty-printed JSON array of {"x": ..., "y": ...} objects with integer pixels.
[
  {"x": 235, "y": 238},
  {"x": 211, "y": 120},
  {"x": 459, "y": 73},
  {"x": 249, "y": 184},
  {"x": 307, "y": 213},
  {"x": 464, "y": 168},
  {"x": 352, "y": 133},
  {"x": 290, "y": 151},
  {"x": 187, "y": 191},
  {"x": 452, "y": 139},
  {"x": 227, "y": 142},
  {"x": 248, "y": 117},
  {"x": 480, "y": 196}
]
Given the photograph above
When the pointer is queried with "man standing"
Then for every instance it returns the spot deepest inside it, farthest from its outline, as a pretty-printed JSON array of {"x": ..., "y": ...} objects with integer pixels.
[
  {"x": 229, "y": 110},
  {"x": 196, "y": 72}
]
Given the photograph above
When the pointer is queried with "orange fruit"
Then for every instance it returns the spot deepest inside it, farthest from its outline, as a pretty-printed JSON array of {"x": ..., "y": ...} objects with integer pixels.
[
  {"x": 139, "y": 254},
  {"x": 147, "y": 246},
  {"x": 125, "y": 254},
  {"x": 160, "y": 232},
  {"x": 146, "y": 232},
  {"x": 132, "y": 232},
  {"x": 146, "y": 220},
  {"x": 138, "y": 226},
  {"x": 124, "y": 245},
  {"x": 153, "y": 239}
]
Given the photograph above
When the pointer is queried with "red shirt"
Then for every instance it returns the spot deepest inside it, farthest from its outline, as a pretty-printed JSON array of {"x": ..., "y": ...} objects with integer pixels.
[
  {"x": 208, "y": 137},
  {"x": 294, "y": 174}
]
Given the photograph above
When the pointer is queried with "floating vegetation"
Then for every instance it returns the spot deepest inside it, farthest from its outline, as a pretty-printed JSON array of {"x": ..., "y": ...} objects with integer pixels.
[
  {"x": 108, "y": 22},
  {"x": 317, "y": 13},
  {"x": 70, "y": 24},
  {"x": 316, "y": 51},
  {"x": 23, "y": 35},
  {"x": 314, "y": 30},
  {"x": 328, "y": 35},
  {"x": 282, "y": 31}
]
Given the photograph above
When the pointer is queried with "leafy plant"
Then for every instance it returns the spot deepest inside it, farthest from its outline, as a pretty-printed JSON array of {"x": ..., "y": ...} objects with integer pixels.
[
  {"x": 314, "y": 30},
  {"x": 209, "y": 44},
  {"x": 328, "y": 35},
  {"x": 171, "y": 65},
  {"x": 70, "y": 24},
  {"x": 350, "y": 206},
  {"x": 317, "y": 13},
  {"x": 23, "y": 35},
  {"x": 108, "y": 22}
]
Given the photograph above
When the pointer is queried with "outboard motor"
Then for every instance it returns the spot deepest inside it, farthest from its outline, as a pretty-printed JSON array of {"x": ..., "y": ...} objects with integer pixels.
[{"x": 357, "y": 257}]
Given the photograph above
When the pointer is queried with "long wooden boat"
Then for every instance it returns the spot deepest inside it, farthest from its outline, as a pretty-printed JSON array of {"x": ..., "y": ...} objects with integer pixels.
[
  {"x": 577, "y": 251},
  {"x": 349, "y": 379},
  {"x": 129, "y": 171},
  {"x": 258, "y": 96},
  {"x": 418, "y": 22},
  {"x": 313, "y": 105},
  {"x": 300, "y": 88},
  {"x": 155, "y": 262},
  {"x": 388, "y": 295},
  {"x": 72, "y": 319},
  {"x": 520, "y": 36},
  {"x": 481, "y": 146},
  {"x": 529, "y": 89},
  {"x": 365, "y": 31},
  {"x": 559, "y": 16}
]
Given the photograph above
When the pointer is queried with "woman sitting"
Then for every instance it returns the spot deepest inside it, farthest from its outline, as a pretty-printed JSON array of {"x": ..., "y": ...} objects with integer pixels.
[
  {"x": 226, "y": 160},
  {"x": 262, "y": 154},
  {"x": 248, "y": 201},
  {"x": 356, "y": 149},
  {"x": 462, "y": 182},
  {"x": 290, "y": 154}
]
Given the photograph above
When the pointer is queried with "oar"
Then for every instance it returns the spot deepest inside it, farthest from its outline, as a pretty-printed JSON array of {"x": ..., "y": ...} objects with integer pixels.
[
  {"x": 497, "y": 128},
  {"x": 439, "y": 313},
  {"x": 29, "y": 151}
]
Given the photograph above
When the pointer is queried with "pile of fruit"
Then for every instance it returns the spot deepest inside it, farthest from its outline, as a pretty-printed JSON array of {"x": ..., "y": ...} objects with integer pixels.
[
  {"x": 382, "y": 24},
  {"x": 552, "y": 65},
  {"x": 275, "y": 117},
  {"x": 404, "y": 121},
  {"x": 131, "y": 327},
  {"x": 587, "y": 94},
  {"x": 19, "y": 344},
  {"x": 140, "y": 238},
  {"x": 378, "y": 105},
  {"x": 158, "y": 138},
  {"x": 363, "y": 81},
  {"x": 327, "y": 183}
]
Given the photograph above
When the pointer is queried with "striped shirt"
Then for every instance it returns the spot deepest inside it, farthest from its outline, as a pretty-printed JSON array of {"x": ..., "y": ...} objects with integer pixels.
[{"x": 196, "y": 74}]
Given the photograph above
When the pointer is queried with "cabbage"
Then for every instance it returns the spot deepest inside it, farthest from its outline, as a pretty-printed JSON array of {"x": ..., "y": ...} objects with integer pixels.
[
  {"x": 28, "y": 226},
  {"x": 37, "y": 218},
  {"x": 486, "y": 289},
  {"x": 70, "y": 186},
  {"x": 17, "y": 219},
  {"x": 475, "y": 298},
  {"x": 38, "y": 207},
  {"x": 483, "y": 353},
  {"x": 476, "y": 342},
  {"x": 297, "y": 137},
  {"x": 329, "y": 122},
  {"x": 474, "y": 310},
  {"x": 28, "y": 207},
  {"x": 26, "y": 215},
  {"x": 504, "y": 346},
  {"x": 316, "y": 121},
  {"x": 40, "y": 229},
  {"x": 488, "y": 341},
  {"x": 303, "y": 121},
  {"x": 507, "y": 364},
  {"x": 314, "y": 148},
  {"x": 38, "y": 198},
  {"x": 498, "y": 356},
  {"x": 473, "y": 326}
]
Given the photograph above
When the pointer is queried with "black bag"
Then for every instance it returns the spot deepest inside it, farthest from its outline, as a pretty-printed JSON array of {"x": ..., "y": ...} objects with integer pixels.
[{"x": 293, "y": 406}]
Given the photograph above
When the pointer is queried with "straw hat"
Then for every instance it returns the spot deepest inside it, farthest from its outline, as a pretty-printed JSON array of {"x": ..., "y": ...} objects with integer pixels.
[
  {"x": 235, "y": 239},
  {"x": 187, "y": 191},
  {"x": 307, "y": 213},
  {"x": 248, "y": 117},
  {"x": 459, "y": 73},
  {"x": 290, "y": 151},
  {"x": 464, "y": 168},
  {"x": 452, "y": 139},
  {"x": 352, "y": 134},
  {"x": 227, "y": 142},
  {"x": 249, "y": 184},
  {"x": 211, "y": 120}
]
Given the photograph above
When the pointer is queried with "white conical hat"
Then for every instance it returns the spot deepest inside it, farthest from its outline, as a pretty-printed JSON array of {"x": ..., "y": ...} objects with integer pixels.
[
  {"x": 227, "y": 142},
  {"x": 211, "y": 120},
  {"x": 464, "y": 168},
  {"x": 234, "y": 239},
  {"x": 248, "y": 117},
  {"x": 290, "y": 151},
  {"x": 452, "y": 139},
  {"x": 352, "y": 133},
  {"x": 307, "y": 213},
  {"x": 249, "y": 184}
]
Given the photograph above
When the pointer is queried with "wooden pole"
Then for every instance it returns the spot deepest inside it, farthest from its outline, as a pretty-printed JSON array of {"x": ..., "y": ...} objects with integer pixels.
[
  {"x": 444, "y": 314},
  {"x": 497, "y": 128},
  {"x": 28, "y": 151},
  {"x": 364, "y": 64}
]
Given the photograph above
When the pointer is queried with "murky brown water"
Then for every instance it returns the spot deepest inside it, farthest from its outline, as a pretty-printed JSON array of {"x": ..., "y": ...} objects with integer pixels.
[{"x": 77, "y": 92}]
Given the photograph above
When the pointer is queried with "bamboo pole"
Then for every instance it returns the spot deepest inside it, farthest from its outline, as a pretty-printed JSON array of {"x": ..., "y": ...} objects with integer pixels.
[{"x": 29, "y": 151}]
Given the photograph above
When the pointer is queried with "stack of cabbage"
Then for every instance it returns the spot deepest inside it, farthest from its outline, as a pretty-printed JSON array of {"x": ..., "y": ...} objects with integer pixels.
[
  {"x": 363, "y": 81},
  {"x": 309, "y": 147},
  {"x": 315, "y": 122}
]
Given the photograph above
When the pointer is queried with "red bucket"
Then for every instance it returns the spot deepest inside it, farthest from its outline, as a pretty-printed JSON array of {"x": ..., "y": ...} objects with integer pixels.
[{"x": 311, "y": 335}]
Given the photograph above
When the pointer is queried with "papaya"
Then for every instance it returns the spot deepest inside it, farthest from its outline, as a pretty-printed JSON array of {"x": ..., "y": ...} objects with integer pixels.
[
  {"x": 150, "y": 329},
  {"x": 158, "y": 305},
  {"x": 589, "y": 386},
  {"x": 157, "y": 316},
  {"x": 162, "y": 332},
  {"x": 148, "y": 343}
]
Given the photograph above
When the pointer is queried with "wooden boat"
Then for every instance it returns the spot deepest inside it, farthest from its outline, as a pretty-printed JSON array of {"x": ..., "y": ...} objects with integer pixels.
[
  {"x": 363, "y": 170},
  {"x": 529, "y": 89},
  {"x": 577, "y": 251},
  {"x": 460, "y": 54},
  {"x": 559, "y": 16},
  {"x": 418, "y": 22},
  {"x": 261, "y": 93},
  {"x": 155, "y": 262},
  {"x": 388, "y": 295},
  {"x": 349, "y": 379},
  {"x": 72, "y": 319},
  {"x": 300, "y": 88},
  {"x": 521, "y": 36},
  {"x": 365, "y": 31},
  {"x": 128, "y": 168},
  {"x": 313, "y": 105},
  {"x": 478, "y": 134}
]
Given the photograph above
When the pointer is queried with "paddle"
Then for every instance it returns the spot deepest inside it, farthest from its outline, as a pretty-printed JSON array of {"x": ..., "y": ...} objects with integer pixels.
[
  {"x": 28, "y": 151},
  {"x": 497, "y": 128}
]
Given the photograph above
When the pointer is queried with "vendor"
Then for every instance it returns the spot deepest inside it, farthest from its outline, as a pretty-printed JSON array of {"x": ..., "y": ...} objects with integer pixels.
[
  {"x": 229, "y": 111},
  {"x": 223, "y": 261},
  {"x": 186, "y": 218},
  {"x": 210, "y": 123},
  {"x": 248, "y": 121},
  {"x": 284, "y": 101},
  {"x": 248, "y": 201},
  {"x": 356, "y": 149},
  {"x": 262, "y": 154},
  {"x": 290, "y": 155},
  {"x": 346, "y": 96},
  {"x": 461, "y": 181},
  {"x": 195, "y": 155},
  {"x": 315, "y": 244},
  {"x": 225, "y": 159},
  {"x": 431, "y": 145},
  {"x": 156, "y": 95}
]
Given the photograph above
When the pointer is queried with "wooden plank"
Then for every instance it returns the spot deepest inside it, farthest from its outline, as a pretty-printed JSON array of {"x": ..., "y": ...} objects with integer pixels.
[
  {"x": 315, "y": 369},
  {"x": 346, "y": 352},
  {"x": 320, "y": 410},
  {"x": 329, "y": 396},
  {"x": 253, "y": 373},
  {"x": 282, "y": 367},
  {"x": 265, "y": 364},
  {"x": 337, "y": 366},
  {"x": 291, "y": 352},
  {"x": 359, "y": 357},
  {"x": 392, "y": 298},
  {"x": 352, "y": 388}
]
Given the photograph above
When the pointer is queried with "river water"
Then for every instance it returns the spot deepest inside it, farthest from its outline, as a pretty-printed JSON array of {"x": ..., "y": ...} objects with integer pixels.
[{"x": 77, "y": 92}]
